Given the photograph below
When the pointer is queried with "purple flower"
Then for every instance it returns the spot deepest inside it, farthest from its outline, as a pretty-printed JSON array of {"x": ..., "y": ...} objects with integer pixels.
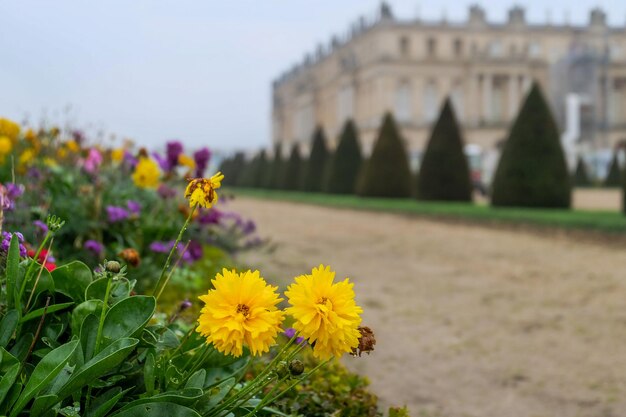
[
  {"x": 211, "y": 216},
  {"x": 78, "y": 136},
  {"x": 6, "y": 243},
  {"x": 116, "y": 214},
  {"x": 129, "y": 159},
  {"x": 173, "y": 150},
  {"x": 161, "y": 247},
  {"x": 8, "y": 194},
  {"x": 94, "y": 246},
  {"x": 291, "y": 332},
  {"x": 41, "y": 226},
  {"x": 194, "y": 250},
  {"x": 202, "y": 158},
  {"x": 133, "y": 206},
  {"x": 184, "y": 305},
  {"x": 163, "y": 162},
  {"x": 166, "y": 192}
]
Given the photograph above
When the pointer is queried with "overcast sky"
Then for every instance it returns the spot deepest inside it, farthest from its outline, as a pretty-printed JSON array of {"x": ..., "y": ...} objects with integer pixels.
[{"x": 199, "y": 71}]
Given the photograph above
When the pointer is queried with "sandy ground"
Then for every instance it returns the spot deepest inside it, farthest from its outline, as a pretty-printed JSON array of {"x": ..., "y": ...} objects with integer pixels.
[
  {"x": 470, "y": 321},
  {"x": 597, "y": 198}
]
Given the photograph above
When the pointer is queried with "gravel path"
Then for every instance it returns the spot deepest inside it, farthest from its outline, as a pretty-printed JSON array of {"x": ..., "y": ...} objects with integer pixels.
[{"x": 470, "y": 321}]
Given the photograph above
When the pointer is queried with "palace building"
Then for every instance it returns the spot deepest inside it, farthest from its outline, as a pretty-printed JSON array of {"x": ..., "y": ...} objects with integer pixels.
[{"x": 409, "y": 67}]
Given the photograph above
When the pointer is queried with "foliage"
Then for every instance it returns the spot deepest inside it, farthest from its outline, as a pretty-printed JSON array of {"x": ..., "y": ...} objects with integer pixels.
[
  {"x": 532, "y": 171},
  {"x": 614, "y": 177},
  {"x": 444, "y": 172},
  {"x": 275, "y": 169},
  {"x": 345, "y": 164},
  {"x": 315, "y": 167},
  {"x": 293, "y": 170},
  {"x": 232, "y": 168},
  {"x": 387, "y": 172},
  {"x": 581, "y": 179},
  {"x": 610, "y": 222}
]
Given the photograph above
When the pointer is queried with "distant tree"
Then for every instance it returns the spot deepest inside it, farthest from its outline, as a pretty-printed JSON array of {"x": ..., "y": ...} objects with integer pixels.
[
  {"x": 532, "y": 171},
  {"x": 345, "y": 164},
  {"x": 254, "y": 172},
  {"x": 444, "y": 172},
  {"x": 292, "y": 177},
  {"x": 315, "y": 167},
  {"x": 581, "y": 179},
  {"x": 614, "y": 177},
  {"x": 387, "y": 172},
  {"x": 273, "y": 173},
  {"x": 232, "y": 168}
]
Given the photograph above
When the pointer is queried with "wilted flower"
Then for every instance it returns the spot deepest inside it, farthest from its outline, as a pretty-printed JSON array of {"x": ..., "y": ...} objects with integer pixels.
[
  {"x": 201, "y": 191},
  {"x": 367, "y": 340},
  {"x": 240, "y": 309},
  {"x": 94, "y": 246},
  {"x": 325, "y": 312},
  {"x": 131, "y": 256},
  {"x": 202, "y": 158},
  {"x": 146, "y": 173},
  {"x": 116, "y": 214}
]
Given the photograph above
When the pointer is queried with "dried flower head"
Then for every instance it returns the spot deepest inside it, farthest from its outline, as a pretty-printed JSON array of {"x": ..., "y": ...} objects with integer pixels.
[
  {"x": 201, "y": 191},
  {"x": 366, "y": 342},
  {"x": 130, "y": 256}
]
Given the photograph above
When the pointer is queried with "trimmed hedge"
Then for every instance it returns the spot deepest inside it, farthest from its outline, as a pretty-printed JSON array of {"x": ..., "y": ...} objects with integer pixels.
[
  {"x": 293, "y": 170},
  {"x": 345, "y": 164},
  {"x": 444, "y": 173},
  {"x": 581, "y": 178},
  {"x": 614, "y": 177},
  {"x": 532, "y": 171},
  {"x": 315, "y": 168},
  {"x": 387, "y": 172}
]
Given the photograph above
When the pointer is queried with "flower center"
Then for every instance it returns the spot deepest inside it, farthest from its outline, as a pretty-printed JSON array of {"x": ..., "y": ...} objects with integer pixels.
[{"x": 243, "y": 309}]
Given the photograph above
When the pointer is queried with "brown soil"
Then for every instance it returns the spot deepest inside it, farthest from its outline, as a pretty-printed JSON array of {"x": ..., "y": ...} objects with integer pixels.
[{"x": 470, "y": 321}]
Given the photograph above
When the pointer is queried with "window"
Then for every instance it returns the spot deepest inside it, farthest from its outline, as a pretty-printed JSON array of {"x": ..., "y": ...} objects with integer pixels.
[
  {"x": 430, "y": 100},
  {"x": 403, "y": 106},
  {"x": 404, "y": 46},
  {"x": 305, "y": 122},
  {"x": 458, "y": 48},
  {"x": 431, "y": 47},
  {"x": 534, "y": 49},
  {"x": 346, "y": 103},
  {"x": 495, "y": 49}
]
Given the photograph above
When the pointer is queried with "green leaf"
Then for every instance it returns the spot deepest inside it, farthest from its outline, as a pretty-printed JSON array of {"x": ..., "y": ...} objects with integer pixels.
[
  {"x": 80, "y": 313},
  {"x": 8, "y": 326},
  {"x": 72, "y": 280},
  {"x": 107, "y": 359},
  {"x": 196, "y": 380},
  {"x": 127, "y": 318},
  {"x": 8, "y": 380},
  {"x": 214, "y": 395},
  {"x": 44, "y": 372},
  {"x": 148, "y": 373},
  {"x": 105, "y": 402},
  {"x": 42, "y": 404},
  {"x": 11, "y": 398},
  {"x": 88, "y": 335},
  {"x": 12, "y": 271},
  {"x": 120, "y": 290},
  {"x": 21, "y": 346},
  {"x": 157, "y": 409},
  {"x": 39, "y": 312},
  {"x": 187, "y": 396}
]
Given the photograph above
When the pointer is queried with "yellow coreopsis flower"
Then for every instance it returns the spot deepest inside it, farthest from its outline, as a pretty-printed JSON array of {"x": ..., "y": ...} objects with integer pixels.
[
  {"x": 26, "y": 157},
  {"x": 9, "y": 129},
  {"x": 201, "y": 191},
  {"x": 73, "y": 146},
  {"x": 6, "y": 146},
  {"x": 325, "y": 313},
  {"x": 240, "y": 309},
  {"x": 117, "y": 154},
  {"x": 146, "y": 173},
  {"x": 186, "y": 161}
]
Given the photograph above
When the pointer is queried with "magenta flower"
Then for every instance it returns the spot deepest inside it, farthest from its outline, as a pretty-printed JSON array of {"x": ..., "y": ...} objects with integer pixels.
[
  {"x": 93, "y": 161},
  {"x": 117, "y": 214},
  {"x": 201, "y": 157},
  {"x": 94, "y": 246}
]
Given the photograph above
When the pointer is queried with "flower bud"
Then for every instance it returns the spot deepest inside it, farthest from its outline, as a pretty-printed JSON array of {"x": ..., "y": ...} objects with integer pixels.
[
  {"x": 296, "y": 367},
  {"x": 112, "y": 266}
]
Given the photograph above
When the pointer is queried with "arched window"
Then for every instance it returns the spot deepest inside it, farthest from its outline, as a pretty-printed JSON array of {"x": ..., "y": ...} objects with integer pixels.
[{"x": 403, "y": 108}]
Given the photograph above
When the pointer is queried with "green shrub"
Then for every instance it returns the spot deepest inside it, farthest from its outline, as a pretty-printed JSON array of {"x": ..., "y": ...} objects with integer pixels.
[
  {"x": 387, "y": 172},
  {"x": 277, "y": 171},
  {"x": 255, "y": 171},
  {"x": 614, "y": 177},
  {"x": 346, "y": 163},
  {"x": 292, "y": 178},
  {"x": 581, "y": 179},
  {"x": 315, "y": 168},
  {"x": 232, "y": 168},
  {"x": 444, "y": 172},
  {"x": 532, "y": 171}
]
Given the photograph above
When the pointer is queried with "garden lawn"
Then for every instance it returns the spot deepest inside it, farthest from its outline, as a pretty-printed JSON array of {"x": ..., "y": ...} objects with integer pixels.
[{"x": 609, "y": 221}]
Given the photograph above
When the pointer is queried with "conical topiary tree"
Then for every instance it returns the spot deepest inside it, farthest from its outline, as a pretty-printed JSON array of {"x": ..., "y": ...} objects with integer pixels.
[
  {"x": 232, "y": 168},
  {"x": 254, "y": 172},
  {"x": 532, "y": 171},
  {"x": 315, "y": 167},
  {"x": 581, "y": 179},
  {"x": 345, "y": 164},
  {"x": 614, "y": 177},
  {"x": 387, "y": 172},
  {"x": 292, "y": 177},
  {"x": 273, "y": 173},
  {"x": 444, "y": 171}
]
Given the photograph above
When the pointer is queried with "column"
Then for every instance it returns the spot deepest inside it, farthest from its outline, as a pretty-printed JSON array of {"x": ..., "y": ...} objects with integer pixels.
[
  {"x": 487, "y": 96},
  {"x": 513, "y": 97}
]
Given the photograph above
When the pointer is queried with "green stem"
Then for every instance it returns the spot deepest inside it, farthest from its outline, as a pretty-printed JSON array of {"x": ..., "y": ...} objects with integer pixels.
[
  {"x": 262, "y": 402},
  {"x": 157, "y": 289},
  {"x": 43, "y": 265},
  {"x": 32, "y": 264},
  {"x": 102, "y": 316}
]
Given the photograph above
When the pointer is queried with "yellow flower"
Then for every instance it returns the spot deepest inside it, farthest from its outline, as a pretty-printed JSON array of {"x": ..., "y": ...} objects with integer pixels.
[
  {"x": 201, "y": 191},
  {"x": 325, "y": 313},
  {"x": 9, "y": 129},
  {"x": 26, "y": 157},
  {"x": 62, "y": 153},
  {"x": 50, "y": 162},
  {"x": 146, "y": 173},
  {"x": 73, "y": 146},
  {"x": 240, "y": 309},
  {"x": 117, "y": 154},
  {"x": 30, "y": 135},
  {"x": 6, "y": 146},
  {"x": 186, "y": 161}
]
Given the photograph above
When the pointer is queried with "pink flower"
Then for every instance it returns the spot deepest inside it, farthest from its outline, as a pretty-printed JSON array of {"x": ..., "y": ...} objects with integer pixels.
[{"x": 93, "y": 161}]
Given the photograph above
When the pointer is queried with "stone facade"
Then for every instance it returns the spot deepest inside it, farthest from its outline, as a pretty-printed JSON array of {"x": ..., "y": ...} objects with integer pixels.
[{"x": 410, "y": 67}]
